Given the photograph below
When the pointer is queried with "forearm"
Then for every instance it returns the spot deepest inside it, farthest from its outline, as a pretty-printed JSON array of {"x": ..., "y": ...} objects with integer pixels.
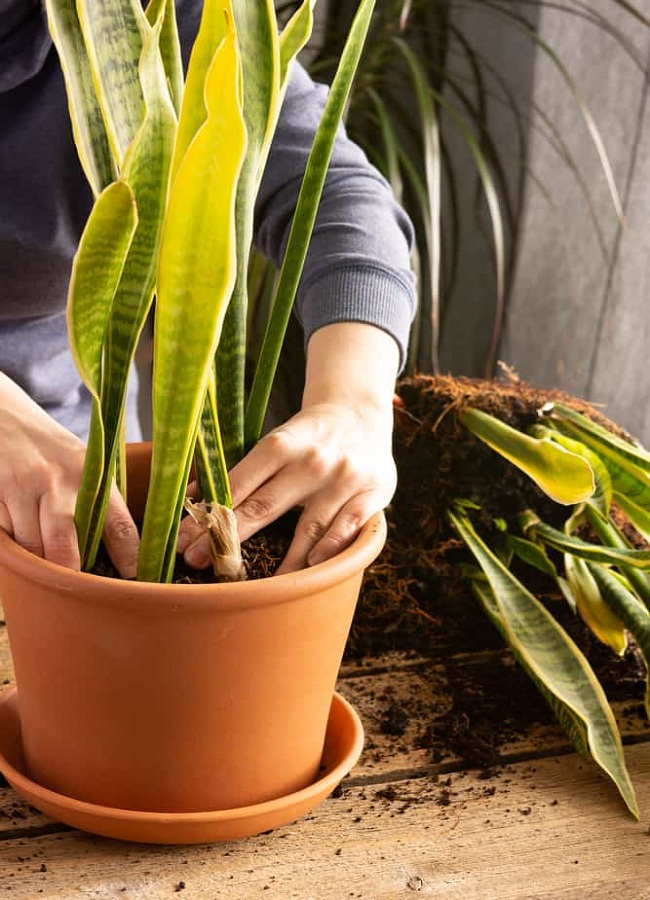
[{"x": 351, "y": 363}]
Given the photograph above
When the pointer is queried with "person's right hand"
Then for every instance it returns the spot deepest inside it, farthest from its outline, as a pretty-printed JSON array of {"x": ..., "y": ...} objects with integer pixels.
[{"x": 40, "y": 471}]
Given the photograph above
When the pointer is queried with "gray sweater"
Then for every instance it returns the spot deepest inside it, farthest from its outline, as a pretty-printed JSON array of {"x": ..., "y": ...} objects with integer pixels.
[{"x": 358, "y": 265}]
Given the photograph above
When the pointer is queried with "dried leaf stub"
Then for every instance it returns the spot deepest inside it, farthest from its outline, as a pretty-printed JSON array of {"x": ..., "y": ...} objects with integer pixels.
[{"x": 220, "y": 524}]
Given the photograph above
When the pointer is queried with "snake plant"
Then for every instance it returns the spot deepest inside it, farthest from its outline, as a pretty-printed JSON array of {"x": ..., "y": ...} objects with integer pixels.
[
  {"x": 603, "y": 483},
  {"x": 174, "y": 161}
]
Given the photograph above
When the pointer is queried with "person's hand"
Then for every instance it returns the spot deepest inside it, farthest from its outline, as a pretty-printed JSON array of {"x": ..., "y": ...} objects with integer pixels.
[
  {"x": 39, "y": 478},
  {"x": 333, "y": 458}
]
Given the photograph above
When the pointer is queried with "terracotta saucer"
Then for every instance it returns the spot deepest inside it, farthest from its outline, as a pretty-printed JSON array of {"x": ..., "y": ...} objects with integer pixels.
[{"x": 343, "y": 745}]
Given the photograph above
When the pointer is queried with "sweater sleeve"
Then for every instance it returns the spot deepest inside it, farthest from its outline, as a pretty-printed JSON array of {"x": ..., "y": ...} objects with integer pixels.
[{"x": 358, "y": 264}]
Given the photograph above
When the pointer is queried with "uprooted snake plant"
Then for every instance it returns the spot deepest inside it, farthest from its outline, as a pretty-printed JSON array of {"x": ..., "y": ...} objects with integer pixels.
[
  {"x": 175, "y": 163},
  {"x": 599, "y": 570}
]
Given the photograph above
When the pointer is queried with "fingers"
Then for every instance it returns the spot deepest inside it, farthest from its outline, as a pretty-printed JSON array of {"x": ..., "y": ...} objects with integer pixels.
[
  {"x": 121, "y": 537},
  {"x": 328, "y": 460},
  {"x": 44, "y": 526},
  {"x": 280, "y": 473},
  {"x": 58, "y": 532},
  {"x": 321, "y": 533},
  {"x": 194, "y": 544}
]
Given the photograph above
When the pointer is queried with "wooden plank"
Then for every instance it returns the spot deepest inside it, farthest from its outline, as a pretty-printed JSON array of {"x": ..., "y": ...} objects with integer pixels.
[{"x": 544, "y": 831}]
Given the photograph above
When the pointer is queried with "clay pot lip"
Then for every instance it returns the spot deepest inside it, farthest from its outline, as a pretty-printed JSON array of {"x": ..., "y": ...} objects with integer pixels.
[{"x": 276, "y": 589}]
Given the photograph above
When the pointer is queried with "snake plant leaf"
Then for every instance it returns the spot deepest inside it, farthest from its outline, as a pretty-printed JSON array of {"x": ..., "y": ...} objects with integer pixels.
[
  {"x": 631, "y": 457},
  {"x": 566, "y": 477},
  {"x": 96, "y": 271},
  {"x": 256, "y": 28},
  {"x": 554, "y": 662},
  {"x": 146, "y": 167},
  {"x": 430, "y": 131},
  {"x": 196, "y": 274},
  {"x": 294, "y": 36},
  {"x": 609, "y": 534},
  {"x": 114, "y": 32},
  {"x": 170, "y": 47},
  {"x": 303, "y": 222},
  {"x": 193, "y": 113},
  {"x": 530, "y": 553},
  {"x": 595, "y": 613},
  {"x": 209, "y": 456},
  {"x": 631, "y": 612},
  {"x": 573, "y": 724},
  {"x": 638, "y": 515},
  {"x": 85, "y": 114},
  {"x": 597, "y": 553},
  {"x": 601, "y": 498}
]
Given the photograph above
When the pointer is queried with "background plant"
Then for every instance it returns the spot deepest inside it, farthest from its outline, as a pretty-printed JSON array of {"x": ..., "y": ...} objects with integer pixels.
[
  {"x": 175, "y": 164},
  {"x": 425, "y": 91}
]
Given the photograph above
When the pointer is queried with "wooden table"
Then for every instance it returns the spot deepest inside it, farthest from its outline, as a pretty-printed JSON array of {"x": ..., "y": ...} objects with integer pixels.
[{"x": 545, "y": 824}]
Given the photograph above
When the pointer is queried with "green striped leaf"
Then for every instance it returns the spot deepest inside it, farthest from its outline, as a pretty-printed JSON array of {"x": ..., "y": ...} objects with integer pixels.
[
  {"x": 639, "y": 515},
  {"x": 96, "y": 272},
  {"x": 196, "y": 275},
  {"x": 595, "y": 613},
  {"x": 585, "y": 550},
  {"x": 193, "y": 111},
  {"x": 170, "y": 47},
  {"x": 530, "y": 553},
  {"x": 628, "y": 456},
  {"x": 209, "y": 456},
  {"x": 85, "y": 114},
  {"x": 609, "y": 534},
  {"x": 554, "y": 662},
  {"x": 633, "y": 614},
  {"x": 114, "y": 31},
  {"x": 146, "y": 167},
  {"x": 256, "y": 29},
  {"x": 295, "y": 35},
  {"x": 601, "y": 498}
]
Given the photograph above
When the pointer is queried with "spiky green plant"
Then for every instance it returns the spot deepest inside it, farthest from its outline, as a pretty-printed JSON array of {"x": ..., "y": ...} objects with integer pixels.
[
  {"x": 424, "y": 87},
  {"x": 175, "y": 164}
]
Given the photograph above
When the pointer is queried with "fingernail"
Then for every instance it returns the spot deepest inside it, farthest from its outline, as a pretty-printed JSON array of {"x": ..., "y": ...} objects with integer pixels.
[
  {"x": 315, "y": 557},
  {"x": 129, "y": 572}
]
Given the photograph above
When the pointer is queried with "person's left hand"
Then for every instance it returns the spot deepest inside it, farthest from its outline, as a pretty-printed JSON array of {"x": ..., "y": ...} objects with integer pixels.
[{"x": 333, "y": 458}]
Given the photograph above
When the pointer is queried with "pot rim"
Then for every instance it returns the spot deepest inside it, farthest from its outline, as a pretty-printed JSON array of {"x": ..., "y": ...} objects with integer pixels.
[{"x": 274, "y": 589}]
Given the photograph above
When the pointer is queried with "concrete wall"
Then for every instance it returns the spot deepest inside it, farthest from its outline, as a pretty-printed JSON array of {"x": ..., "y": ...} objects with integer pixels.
[{"x": 578, "y": 314}]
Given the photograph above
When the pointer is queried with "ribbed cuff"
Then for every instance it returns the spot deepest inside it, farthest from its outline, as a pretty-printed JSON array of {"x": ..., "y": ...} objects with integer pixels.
[{"x": 365, "y": 293}]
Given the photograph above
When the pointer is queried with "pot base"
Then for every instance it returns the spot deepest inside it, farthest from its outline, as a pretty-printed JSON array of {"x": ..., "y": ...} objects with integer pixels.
[{"x": 343, "y": 745}]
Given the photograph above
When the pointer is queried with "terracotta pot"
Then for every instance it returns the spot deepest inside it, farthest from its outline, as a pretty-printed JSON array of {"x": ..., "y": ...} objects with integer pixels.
[{"x": 177, "y": 698}]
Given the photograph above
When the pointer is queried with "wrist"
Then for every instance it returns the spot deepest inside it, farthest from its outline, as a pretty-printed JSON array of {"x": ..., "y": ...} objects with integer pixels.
[{"x": 353, "y": 364}]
